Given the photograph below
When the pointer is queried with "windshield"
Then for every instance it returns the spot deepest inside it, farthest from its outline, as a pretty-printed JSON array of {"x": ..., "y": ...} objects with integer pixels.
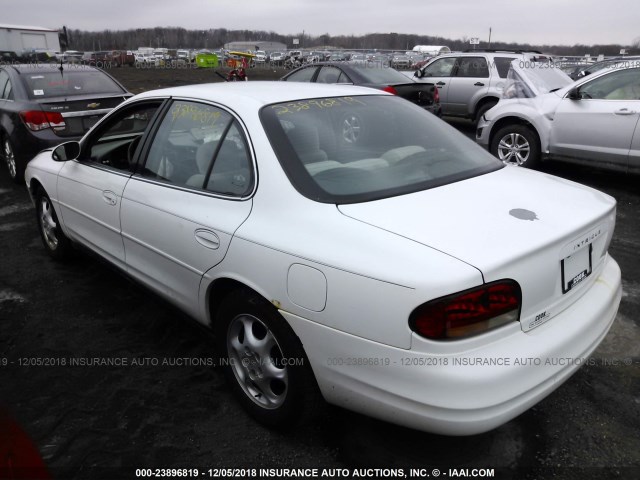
[
  {"x": 354, "y": 149},
  {"x": 528, "y": 79},
  {"x": 70, "y": 82}
]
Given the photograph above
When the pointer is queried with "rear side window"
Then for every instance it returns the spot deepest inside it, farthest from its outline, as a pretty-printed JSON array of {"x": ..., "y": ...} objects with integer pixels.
[
  {"x": 502, "y": 65},
  {"x": 41, "y": 83},
  {"x": 474, "y": 67},
  {"x": 4, "y": 84},
  {"x": 304, "y": 75},
  {"x": 200, "y": 146}
]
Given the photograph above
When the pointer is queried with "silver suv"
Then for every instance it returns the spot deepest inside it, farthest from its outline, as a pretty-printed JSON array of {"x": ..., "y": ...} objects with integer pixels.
[{"x": 471, "y": 82}]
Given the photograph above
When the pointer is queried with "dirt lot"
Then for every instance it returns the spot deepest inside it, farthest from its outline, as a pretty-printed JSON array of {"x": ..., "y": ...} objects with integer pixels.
[
  {"x": 141, "y": 79},
  {"x": 171, "y": 410}
]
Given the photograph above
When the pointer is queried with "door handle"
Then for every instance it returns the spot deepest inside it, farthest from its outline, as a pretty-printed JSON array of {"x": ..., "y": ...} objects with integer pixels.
[
  {"x": 440, "y": 83},
  {"x": 624, "y": 111},
  {"x": 109, "y": 197},
  {"x": 478, "y": 84},
  {"x": 207, "y": 238}
]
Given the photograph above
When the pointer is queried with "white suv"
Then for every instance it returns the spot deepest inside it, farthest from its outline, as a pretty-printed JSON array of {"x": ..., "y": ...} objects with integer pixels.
[{"x": 471, "y": 82}]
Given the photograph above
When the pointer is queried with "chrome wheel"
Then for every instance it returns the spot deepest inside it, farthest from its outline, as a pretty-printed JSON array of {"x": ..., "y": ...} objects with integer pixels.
[
  {"x": 48, "y": 223},
  {"x": 514, "y": 149},
  {"x": 257, "y": 361},
  {"x": 351, "y": 128},
  {"x": 10, "y": 158}
]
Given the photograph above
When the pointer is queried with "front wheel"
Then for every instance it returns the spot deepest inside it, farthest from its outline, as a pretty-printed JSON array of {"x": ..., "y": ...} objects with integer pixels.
[
  {"x": 53, "y": 238},
  {"x": 264, "y": 361},
  {"x": 516, "y": 145}
]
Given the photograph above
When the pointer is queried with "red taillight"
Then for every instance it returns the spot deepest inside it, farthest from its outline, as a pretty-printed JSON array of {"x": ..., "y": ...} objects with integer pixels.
[
  {"x": 38, "y": 120},
  {"x": 468, "y": 313},
  {"x": 436, "y": 95},
  {"x": 390, "y": 89}
]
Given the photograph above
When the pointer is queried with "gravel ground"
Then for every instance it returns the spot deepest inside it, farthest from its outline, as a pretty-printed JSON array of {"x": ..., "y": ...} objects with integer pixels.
[{"x": 90, "y": 421}]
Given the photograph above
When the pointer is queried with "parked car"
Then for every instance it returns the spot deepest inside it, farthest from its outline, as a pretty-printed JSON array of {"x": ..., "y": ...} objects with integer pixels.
[
  {"x": 99, "y": 59},
  {"x": 588, "y": 69},
  {"x": 42, "y": 106},
  {"x": 470, "y": 83},
  {"x": 593, "y": 121},
  {"x": 359, "y": 266},
  {"x": 369, "y": 74},
  {"x": 261, "y": 57},
  {"x": 401, "y": 62},
  {"x": 277, "y": 58}
]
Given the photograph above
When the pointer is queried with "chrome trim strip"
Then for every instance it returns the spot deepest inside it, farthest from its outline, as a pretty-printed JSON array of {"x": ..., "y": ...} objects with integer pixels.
[{"x": 86, "y": 113}]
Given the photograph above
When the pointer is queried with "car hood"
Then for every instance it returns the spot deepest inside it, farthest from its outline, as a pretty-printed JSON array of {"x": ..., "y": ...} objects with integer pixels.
[
  {"x": 512, "y": 223},
  {"x": 527, "y": 79}
]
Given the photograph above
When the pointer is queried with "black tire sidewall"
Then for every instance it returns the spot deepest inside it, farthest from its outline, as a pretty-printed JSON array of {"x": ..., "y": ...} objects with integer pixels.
[{"x": 64, "y": 245}]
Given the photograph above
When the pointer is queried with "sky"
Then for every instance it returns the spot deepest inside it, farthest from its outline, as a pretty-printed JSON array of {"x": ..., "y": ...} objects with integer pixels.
[{"x": 542, "y": 22}]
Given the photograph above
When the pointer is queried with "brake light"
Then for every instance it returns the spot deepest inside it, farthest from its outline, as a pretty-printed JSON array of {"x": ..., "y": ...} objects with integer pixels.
[
  {"x": 390, "y": 89},
  {"x": 38, "y": 120},
  {"x": 436, "y": 95},
  {"x": 468, "y": 313}
]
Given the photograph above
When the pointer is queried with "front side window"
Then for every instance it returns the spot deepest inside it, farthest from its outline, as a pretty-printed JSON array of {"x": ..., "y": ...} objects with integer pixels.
[
  {"x": 620, "y": 85},
  {"x": 440, "y": 68},
  {"x": 200, "y": 146},
  {"x": 354, "y": 149},
  {"x": 115, "y": 141}
]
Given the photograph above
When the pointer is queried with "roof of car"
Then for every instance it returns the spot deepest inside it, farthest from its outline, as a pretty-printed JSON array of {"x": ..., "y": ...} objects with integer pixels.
[{"x": 260, "y": 92}]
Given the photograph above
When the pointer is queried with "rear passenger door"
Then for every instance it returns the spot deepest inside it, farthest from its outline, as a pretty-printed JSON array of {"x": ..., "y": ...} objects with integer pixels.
[{"x": 181, "y": 209}]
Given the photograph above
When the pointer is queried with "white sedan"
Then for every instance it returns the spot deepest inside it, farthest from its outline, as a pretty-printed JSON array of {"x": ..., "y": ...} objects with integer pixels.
[{"x": 342, "y": 242}]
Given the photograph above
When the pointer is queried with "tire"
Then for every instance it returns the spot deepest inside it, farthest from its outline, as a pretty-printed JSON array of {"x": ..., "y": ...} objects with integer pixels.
[
  {"x": 517, "y": 145},
  {"x": 254, "y": 340},
  {"x": 14, "y": 165},
  {"x": 482, "y": 110},
  {"x": 55, "y": 241}
]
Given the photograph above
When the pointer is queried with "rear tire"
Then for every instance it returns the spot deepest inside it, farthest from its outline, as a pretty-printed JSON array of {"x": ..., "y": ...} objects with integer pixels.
[
  {"x": 15, "y": 167},
  {"x": 482, "y": 110},
  {"x": 55, "y": 241},
  {"x": 264, "y": 362}
]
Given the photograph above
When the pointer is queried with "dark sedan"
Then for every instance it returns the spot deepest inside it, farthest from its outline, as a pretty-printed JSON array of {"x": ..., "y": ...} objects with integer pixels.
[
  {"x": 370, "y": 74},
  {"x": 42, "y": 105}
]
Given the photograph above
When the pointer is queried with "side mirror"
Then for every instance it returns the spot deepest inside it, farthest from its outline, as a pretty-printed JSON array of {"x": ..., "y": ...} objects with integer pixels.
[
  {"x": 66, "y": 151},
  {"x": 418, "y": 74},
  {"x": 574, "y": 94}
]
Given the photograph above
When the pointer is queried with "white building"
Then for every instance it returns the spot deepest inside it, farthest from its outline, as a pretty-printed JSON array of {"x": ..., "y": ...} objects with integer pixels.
[
  {"x": 434, "y": 50},
  {"x": 26, "y": 39}
]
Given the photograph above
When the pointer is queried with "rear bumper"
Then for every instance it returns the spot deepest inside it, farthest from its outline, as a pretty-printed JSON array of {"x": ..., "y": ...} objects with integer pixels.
[{"x": 461, "y": 393}]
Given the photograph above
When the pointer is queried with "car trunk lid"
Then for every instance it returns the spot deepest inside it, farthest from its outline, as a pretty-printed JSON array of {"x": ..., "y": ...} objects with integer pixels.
[
  {"x": 82, "y": 112},
  {"x": 548, "y": 234}
]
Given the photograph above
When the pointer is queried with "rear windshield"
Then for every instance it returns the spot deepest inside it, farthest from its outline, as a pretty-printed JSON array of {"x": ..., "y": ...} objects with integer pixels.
[
  {"x": 71, "y": 82},
  {"x": 354, "y": 149}
]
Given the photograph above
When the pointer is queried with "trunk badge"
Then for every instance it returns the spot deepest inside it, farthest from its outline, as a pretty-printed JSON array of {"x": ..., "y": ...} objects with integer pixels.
[{"x": 93, "y": 105}]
